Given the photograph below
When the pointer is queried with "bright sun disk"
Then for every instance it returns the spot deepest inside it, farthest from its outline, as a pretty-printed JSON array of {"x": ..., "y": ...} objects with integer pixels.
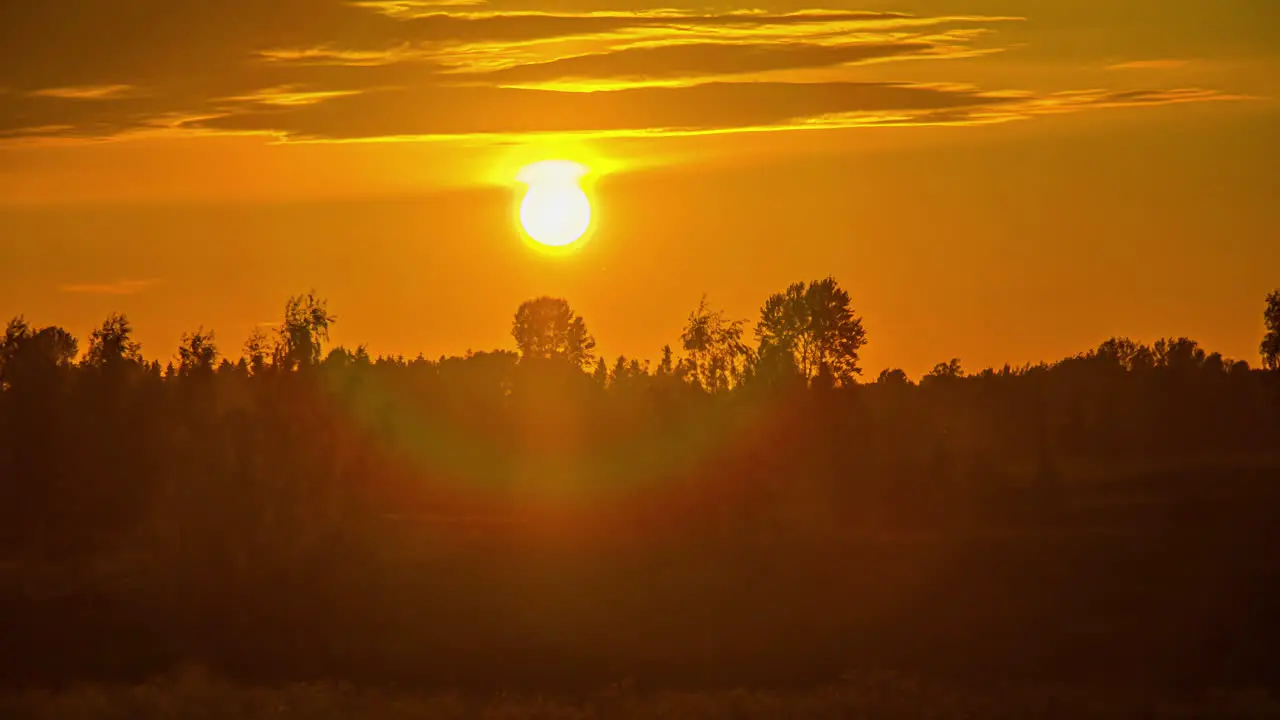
[{"x": 555, "y": 210}]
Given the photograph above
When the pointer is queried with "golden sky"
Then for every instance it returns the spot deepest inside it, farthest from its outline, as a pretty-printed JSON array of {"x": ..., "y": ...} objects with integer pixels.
[{"x": 993, "y": 180}]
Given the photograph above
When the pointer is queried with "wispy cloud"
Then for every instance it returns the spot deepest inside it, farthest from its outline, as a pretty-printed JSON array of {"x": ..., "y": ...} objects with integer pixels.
[
  {"x": 1022, "y": 106},
  {"x": 340, "y": 71},
  {"x": 643, "y": 64},
  {"x": 1131, "y": 98},
  {"x": 120, "y": 287},
  {"x": 412, "y": 8},
  {"x": 331, "y": 55},
  {"x": 87, "y": 92},
  {"x": 286, "y": 96},
  {"x": 468, "y": 110},
  {"x": 1162, "y": 64}
]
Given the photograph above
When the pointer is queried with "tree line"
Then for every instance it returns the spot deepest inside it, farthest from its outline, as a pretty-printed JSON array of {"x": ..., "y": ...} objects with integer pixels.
[
  {"x": 298, "y": 494},
  {"x": 68, "y": 416},
  {"x": 807, "y": 332}
]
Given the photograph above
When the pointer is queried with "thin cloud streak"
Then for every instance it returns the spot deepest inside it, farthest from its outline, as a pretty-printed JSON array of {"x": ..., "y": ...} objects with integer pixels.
[
  {"x": 288, "y": 96},
  {"x": 687, "y": 61},
  {"x": 1164, "y": 64},
  {"x": 87, "y": 92}
]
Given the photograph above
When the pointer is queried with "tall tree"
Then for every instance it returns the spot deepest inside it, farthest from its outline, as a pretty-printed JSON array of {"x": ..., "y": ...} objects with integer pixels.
[
  {"x": 666, "y": 366},
  {"x": 113, "y": 344},
  {"x": 627, "y": 372},
  {"x": 1180, "y": 354},
  {"x": 601, "y": 373},
  {"x": 342, "y": 357},
  {"x": 1270, "y": 347},
  {"x": 718, "y": 359},
  {"x": 257, "y": 350},
  {"x": 547, "y": 328},
  {"x": 776, "y": 366},
  {"x": 301, "y": 337},
  {"x": 15, "y": 333},
  {"x": 948, "y": 370},
  {"x": 1125, "y": 353},
  {"x": 813, "y": 324},
  {"x": 198, "y": 353},
  {"x": 27, "y": 354}
]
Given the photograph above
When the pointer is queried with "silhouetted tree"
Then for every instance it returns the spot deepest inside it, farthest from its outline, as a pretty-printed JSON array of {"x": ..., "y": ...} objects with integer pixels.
[
  {"x": 893, "y": 377},
  {"x": 113, "y": 343},
  {"x": 949, "y": 370},
  {"x": 601, "y": 373},
  {"x": 814, "y": 324},
  {"x": 257, "y": 351},
  {"x": 666, "y": 365},
  {"x": 627, "y": 373},
  {"x": 16, "y": 333},
  {"x": 342, "y": 357},
  {"x": 55, "y": 346},
  {"x": 1179, "y": 354},
  {"x": 717, "y": 358},
  {"x": 776, "y": 366},
  {"x": 1214, "y": 364},
  {"x": 547, "y": 328},
  {"x": 198, "y": 353},
  {"x": 1125, "y": 354},
  {"x": 300, "y": 338},
  {"x": 1270, "y": 347},
  {"x": 29, "y": 355}
]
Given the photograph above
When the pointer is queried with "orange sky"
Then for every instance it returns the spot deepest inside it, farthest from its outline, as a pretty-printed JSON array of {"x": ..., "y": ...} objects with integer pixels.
[{"x": 993, "y": 180}]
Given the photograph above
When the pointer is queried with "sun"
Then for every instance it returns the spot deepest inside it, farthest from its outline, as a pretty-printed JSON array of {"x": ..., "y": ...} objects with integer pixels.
[{"x": 555, "y": 211}]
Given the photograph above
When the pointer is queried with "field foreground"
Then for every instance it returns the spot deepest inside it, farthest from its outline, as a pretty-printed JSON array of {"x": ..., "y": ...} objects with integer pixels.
[{"x": 197, "y": 695}]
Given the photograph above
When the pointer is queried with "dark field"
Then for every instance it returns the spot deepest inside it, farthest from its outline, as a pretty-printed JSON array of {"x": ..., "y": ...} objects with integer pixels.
[
  {"x": 195, "y": 695},
  {"x": 1127, "y": 604}
]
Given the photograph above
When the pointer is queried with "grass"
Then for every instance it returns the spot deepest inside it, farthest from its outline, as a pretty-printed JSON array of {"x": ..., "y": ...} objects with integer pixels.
[{"x": 195, "y": 695}]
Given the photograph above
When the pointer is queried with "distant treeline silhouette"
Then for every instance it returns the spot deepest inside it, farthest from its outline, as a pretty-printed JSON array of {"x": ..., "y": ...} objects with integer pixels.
[{"x": 736, "y": 510}]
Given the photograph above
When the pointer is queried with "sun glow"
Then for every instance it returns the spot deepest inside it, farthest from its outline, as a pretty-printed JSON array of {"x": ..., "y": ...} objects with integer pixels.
[{"x": 555, "y": 211}]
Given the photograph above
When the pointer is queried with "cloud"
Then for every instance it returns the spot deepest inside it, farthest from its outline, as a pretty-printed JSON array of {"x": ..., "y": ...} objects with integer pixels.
[
  {"x": 1129, "y": 98},
  {"x": 409, "y": 8},
  {"x": 688, "y": 61},
  {"x": 1074, "y": 101},
  {"x": 341, "y": 70},
  {"x": 1165, "y": 64},
  {"x": 87, "y": 92},
  {"x": 169, "y": 45},
  {"x": 96, "y": 117},
  {"x": 666, "y": 45},
  {"x": 1022, "y": 106},
  {"x": 121, "y": 287},
  {"x": 287, "y": 96},
  {"x": 470, "y": 110}
]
